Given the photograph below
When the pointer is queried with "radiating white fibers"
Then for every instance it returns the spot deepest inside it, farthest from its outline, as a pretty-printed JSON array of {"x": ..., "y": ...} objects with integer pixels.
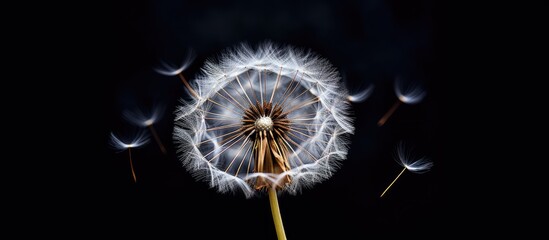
[{"x": 209, "y": 135}]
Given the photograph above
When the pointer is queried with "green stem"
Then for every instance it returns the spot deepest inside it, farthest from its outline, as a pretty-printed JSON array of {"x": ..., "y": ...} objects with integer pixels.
[{"x": 277, "y": 218}]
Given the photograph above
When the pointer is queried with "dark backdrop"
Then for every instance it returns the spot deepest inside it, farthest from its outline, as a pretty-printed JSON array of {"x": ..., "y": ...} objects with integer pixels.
[{"x": 370, "y": 42}]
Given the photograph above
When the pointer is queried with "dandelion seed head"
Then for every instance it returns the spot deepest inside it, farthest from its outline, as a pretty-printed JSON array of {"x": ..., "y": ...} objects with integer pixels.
[
  {"x": 269, "y": 117},
  {"x": 264, "y": 123},
  {"x": 405, "y": 158},
  {"x": 409, "y": 93}
]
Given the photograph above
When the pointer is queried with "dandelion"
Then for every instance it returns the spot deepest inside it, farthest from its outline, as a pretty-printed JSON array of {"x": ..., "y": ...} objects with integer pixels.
[
  {"x": 273, "y": 118},
  {"x": 147, "y": 119},
  {"x": 410, "y": 94},
  {"x": 404, "y": 159},
  {"x": 139, "y": 140}
]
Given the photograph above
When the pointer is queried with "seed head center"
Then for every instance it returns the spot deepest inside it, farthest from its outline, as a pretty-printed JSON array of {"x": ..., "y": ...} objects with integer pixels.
[{"x": 264, "y": 123}]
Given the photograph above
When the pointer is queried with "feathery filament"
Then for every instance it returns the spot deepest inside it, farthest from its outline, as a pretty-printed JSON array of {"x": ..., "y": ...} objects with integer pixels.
[{"x": 265, "y": 118}]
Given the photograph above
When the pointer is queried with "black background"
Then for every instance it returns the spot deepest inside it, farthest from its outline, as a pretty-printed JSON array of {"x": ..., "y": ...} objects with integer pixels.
[{"x": 370, "y": 42}]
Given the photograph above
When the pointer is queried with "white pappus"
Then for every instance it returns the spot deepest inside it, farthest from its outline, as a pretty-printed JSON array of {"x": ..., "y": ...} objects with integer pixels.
[{"x": 270, "y": 117}]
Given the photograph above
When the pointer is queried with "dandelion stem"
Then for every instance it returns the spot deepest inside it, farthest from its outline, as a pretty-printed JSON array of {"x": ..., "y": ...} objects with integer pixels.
[
  {"x": 392, "y": 182},
  {"x": 389, "y": 113},
  {"x": 157, "y": 139},
  {"x": 277, "y": 218},
  {"x": 131, "y": 165}
]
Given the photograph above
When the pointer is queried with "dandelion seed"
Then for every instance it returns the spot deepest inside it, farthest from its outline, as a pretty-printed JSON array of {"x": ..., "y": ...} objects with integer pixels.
[
  {"x": 139, "y": 140},
  {"x": 404, "y": 159},
  {"x": 361, "y": 96},
  {"x": 170, "y": 70},
  {"x": 270, "y": 118},
  {"x": 139, "y": 118},
  {"x": 411, "y": 94}
]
